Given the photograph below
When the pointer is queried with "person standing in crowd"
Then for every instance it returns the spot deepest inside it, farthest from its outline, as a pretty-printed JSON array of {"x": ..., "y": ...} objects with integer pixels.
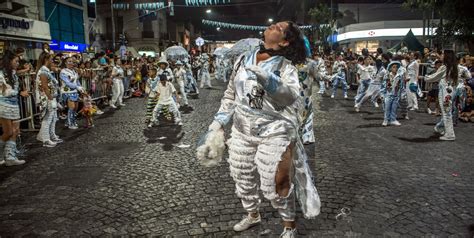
[
  {"x": 70, "y": 91},
  {"x": 164, "y": 91},
  {"x": 204, "y": 72},
  {"x": 375, "y": 85},
  {"x": 366, "y": 74},
  {"x": 340, "y": 69},
  {"x": 47, "y": 92},
  {"x": 394, "y": 81},
  {"x": 412, "y": 84},
  {"x": 118, "y": 76},
  {"x": 165, "y": 69},
  {"x": 447, "y": 76},
  {"x": 322, "y": 75},
  {"x": 9, "y": 109},
  {"x": 191, "y": 81},
  {"x": 180, "y": 74},
  {"x": 152, "y": 99},
  {"x": 262, "y": 98}
]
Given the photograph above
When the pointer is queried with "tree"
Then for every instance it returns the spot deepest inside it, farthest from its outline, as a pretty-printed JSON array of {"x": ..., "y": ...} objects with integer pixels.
[
  {"x": 456, "y": 21},
  {"x": 321, "y": 16}
]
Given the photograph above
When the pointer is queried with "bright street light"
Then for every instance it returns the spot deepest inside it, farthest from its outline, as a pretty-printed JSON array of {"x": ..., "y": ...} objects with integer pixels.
[
  {"x": 218, "y": 28},
  {"x": 270, "y": 20},
  {"x": 261, "y": 32},
  {"x": 208, "y": 11}
]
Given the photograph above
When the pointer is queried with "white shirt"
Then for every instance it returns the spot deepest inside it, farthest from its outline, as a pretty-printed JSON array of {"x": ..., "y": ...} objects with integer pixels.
[
  {"x": 166, "y": 92},
  {"x": 366, "y": 72}
]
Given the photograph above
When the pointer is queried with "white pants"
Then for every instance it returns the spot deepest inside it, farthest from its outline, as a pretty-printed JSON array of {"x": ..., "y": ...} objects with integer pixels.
[
  {"x": 183, "y": 93},
  {"x": 205, "y": 78},
  {"x": 250, "y": 154},
  {"x": 117, "y": 91},
  {"x": 48, "y": 124},
  {"x": 172, "y": 107},
  {"x": 412, "y": 99}
]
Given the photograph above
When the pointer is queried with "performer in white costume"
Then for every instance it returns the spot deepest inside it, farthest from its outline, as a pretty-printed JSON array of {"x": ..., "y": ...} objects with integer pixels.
[
  {"x": 263, "y": 100},
  {"x": 204, "y": 71}
]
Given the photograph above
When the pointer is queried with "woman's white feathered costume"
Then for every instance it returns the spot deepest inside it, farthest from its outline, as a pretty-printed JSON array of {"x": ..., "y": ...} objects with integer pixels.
[{"x": 263, "y": 101}]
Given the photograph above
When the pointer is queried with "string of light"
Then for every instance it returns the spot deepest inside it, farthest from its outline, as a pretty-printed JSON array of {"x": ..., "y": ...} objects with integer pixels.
[{"x": 242, "y": 27}]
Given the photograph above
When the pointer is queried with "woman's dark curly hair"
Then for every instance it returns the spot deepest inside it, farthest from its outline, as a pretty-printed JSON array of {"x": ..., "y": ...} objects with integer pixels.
[
  {"x": 295, "y": 51},
  {"x": 451, "y": 66},
  {"x": 6, "y": 66}
]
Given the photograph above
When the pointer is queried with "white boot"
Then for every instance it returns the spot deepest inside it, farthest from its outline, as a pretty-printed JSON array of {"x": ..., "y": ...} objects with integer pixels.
[
  {"x": 10, "y": 158},
  {"x": 288, "y": 233},
  {"x": 247, "y": 222}
]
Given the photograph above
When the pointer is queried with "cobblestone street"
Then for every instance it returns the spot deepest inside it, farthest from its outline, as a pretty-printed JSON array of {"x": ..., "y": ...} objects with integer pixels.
[{"x": 122, "y": 179}]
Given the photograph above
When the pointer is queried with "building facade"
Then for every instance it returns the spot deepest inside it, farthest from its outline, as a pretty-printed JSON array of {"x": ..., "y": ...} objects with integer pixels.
[{"x": 22, "y": 25}]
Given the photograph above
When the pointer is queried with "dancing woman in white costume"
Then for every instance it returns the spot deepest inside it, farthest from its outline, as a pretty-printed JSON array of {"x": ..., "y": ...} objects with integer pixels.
[{"x": 263, "y": 100}]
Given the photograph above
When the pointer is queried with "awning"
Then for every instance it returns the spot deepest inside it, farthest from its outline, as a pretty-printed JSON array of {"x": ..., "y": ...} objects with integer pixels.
[{"x": 6, "y": 37}]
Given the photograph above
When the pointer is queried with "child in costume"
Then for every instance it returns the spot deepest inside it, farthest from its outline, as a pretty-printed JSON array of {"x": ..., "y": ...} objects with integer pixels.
[
  {"x": 165, "y": 91},
  {"x": 394, "y": 81},
  {"x": 152, "y": 99},
  {"x": 88, "y": 110}
]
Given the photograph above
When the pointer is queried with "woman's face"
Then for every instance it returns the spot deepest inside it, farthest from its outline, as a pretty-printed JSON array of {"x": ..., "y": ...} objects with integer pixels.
[
  {"x": 119, "y": 62},
  {"x": 15, "y": 63},
  {"x": 275, "y": 34},
  {"x": 394, "y": 68},
  {"x": 69, "y": 63}
]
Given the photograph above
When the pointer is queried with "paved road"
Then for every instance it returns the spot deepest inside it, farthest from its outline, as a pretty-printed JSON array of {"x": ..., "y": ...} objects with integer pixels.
[{"x": 122, "y": 179}]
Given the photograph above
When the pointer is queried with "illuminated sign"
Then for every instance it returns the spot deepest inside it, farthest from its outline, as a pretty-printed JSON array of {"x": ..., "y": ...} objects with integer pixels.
[
  {"x": 380, "y": 33},
  {"x": 67, "y": 46}
]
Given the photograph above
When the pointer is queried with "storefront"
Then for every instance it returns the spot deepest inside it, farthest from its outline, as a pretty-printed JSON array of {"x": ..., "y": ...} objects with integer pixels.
[
  {"x": 383, "y": 34},
  {"x": 22, "y": 32}
]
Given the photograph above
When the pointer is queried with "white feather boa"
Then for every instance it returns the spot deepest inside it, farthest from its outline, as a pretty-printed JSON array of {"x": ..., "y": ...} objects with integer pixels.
[{"x": 210, "y": 153}]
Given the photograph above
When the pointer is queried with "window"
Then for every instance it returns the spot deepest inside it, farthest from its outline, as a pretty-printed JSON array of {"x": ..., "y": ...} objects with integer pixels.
[{"x": 66, "y": 23}]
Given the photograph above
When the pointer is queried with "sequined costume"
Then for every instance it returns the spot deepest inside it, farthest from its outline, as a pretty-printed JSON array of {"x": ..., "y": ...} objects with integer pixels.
[
  {"x": 339, "y": 68},
  {"x": 49, "y": 114},
  {"x": 70, "y": 92},
  {"x": 265, "y": 122},
  {"x": 393, "y": 88},
  {"x": 10, "y": 110},
  {"x": 204, "y": 71}
]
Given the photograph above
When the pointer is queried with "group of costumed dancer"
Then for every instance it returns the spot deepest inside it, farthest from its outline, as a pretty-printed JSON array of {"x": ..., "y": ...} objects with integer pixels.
[{"x": 268, "y": 99}]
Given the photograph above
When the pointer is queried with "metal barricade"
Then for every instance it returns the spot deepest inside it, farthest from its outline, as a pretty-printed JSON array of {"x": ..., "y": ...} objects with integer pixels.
[{"x": 27, "y": 105}]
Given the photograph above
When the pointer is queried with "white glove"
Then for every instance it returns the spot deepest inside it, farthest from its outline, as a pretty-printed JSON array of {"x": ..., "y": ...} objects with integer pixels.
[
  {"x": 80, "y": 89},
  {"x": 262, "y": 75},
  {"x": 211, "y": 148}
]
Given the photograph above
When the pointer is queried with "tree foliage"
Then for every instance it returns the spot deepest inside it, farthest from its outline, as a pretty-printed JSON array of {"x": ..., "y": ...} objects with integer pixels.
[
  {"x": 457, "y": 19},
  {"x": 321, "y": 15}
]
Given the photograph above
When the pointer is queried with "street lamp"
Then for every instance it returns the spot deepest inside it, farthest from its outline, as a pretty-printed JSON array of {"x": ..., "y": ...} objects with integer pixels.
[
  {"x": 218, "y": 28},
  {"x": 270, "y": 20},
  {"x": 208, "y": 11}
]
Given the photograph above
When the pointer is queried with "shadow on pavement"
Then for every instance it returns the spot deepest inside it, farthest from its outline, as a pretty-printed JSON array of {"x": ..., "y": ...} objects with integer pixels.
[
  {"x": 372, "y": 125},
  {"x": 166, "y": 133},
  {"x": 432, "y": 138},
  {"x": 186, "y": 109}
]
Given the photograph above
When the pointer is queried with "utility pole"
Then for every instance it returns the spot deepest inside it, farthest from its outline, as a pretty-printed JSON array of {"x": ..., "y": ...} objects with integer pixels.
[{"x": 113, "y": 23}]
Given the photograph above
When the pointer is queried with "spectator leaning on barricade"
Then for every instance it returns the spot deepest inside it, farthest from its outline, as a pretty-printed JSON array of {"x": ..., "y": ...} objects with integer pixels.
[
  {"x": 9, "y": 109},
  {"x": 47, "y": 92},
  {"x": 118, "y": 75}
]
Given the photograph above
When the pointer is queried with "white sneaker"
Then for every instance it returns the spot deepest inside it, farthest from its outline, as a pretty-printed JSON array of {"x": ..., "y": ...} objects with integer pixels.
[
  {"x": 150, "y": 125},
  {"x": 429, "y": 111},
  {"x": 247, "y": 222},
  {"x": 357, "y": 109},
  {"x": 49, "y": 144},
  {"x": 345, "y": 96},
  {"x": 439, "y": 131},
  {"x": 2, "y": 162},
  {"x": 447, "y": 138},
  {"x": 406, "y": 117},
  {"x": 395, "y": 123},
  {"x": 332, "y": 96},
  {"x": 376, "y": 104},
  {"x": 57, "y": 140},
  {"x": 113, "y": 106},
  {"x": 179, "y": 123},
  {"x": 385, "y": 123},
  {"x": 99, "y": 112},
  {"x": 73, "y": 127},
  {"x": 122, "y": 104},
  {"x": 288, "y": 233},
  {"x": 14, "y": 162}
]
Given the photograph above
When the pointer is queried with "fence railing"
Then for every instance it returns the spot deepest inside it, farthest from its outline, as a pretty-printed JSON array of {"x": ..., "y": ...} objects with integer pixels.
[{"x": 98, "y": 86}]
